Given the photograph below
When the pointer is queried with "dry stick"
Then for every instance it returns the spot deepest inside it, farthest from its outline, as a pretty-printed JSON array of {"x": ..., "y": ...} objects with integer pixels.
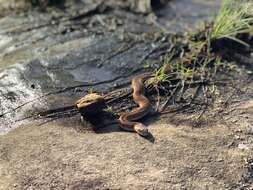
[
  {"x": 64, "y": 110},
  {"x": 204, "y": 88},
  {"x": 158, "y": 98},
  {"x": 119, "y": 97},
  {"x": 195, "y": 94},
  {"x": 124, "y": 109},
  {"x": 235, "y": 91},
  {"x": 56, "y": 116},
  {"x": 182, "y": 90},
  {"x": 176, "y": 88},
  {"x": 186, "y": 105},
  {"x": 50, "y": 113},
  {"x": 57, "y": 113},
  {"x": 168, "y": 99}
]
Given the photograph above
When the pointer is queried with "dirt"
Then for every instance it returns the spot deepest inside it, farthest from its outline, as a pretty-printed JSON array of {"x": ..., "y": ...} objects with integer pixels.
[
  {"x": 53, "y": 156},
  {"x": 68, "y": 154}
]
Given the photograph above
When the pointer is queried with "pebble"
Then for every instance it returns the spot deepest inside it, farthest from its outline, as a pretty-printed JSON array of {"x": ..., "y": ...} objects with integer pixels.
[
  {"x": 250, "y": 130},
  {"x": 220, "y": 160}
]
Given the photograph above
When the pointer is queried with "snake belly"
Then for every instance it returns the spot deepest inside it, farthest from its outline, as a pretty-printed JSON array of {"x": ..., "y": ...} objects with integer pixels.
[{"x": 128, "y": 121}]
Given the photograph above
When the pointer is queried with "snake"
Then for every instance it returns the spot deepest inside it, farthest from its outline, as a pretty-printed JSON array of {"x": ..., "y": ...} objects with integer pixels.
[{"x": 128, "y": 121}]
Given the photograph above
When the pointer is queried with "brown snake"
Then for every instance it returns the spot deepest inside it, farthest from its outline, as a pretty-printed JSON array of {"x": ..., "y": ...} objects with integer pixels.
[{"x": 127, "y": 121}]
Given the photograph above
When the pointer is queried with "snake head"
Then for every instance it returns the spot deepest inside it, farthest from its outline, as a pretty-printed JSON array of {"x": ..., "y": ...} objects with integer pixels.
[
  {"x": 91, "y": 104},
  {"x": 141, "y": 129}
]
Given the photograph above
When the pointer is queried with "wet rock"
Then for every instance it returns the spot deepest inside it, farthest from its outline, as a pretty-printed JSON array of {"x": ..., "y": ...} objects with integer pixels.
[
  {"x": 50, "y": 59},
  {"x": 138, "y": 6},
  {"x": 193, "y": 13}
]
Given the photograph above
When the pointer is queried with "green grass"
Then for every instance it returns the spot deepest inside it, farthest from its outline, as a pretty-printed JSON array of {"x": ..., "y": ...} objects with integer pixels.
[
  {"x": 235, "y": 17},
  {"x": 160, "y": 76},
  {"x": 198, "y": 61}
]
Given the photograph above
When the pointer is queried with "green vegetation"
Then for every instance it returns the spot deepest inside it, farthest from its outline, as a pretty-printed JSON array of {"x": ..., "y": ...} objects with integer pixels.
[
  {"x": 235, "y": 17},
  {"x": 197, "y": 60},
  {"x": 160, "y": 76}
]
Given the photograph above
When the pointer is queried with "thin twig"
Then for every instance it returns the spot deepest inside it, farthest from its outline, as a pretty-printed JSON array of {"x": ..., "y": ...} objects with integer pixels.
[
  {"x": 158, "y": 98},
  {"x": 160, "y": 110}
]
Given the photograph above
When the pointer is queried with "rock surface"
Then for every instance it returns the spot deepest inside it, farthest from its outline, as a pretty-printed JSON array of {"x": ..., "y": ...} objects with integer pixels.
[{"x": 50, "y": 59}]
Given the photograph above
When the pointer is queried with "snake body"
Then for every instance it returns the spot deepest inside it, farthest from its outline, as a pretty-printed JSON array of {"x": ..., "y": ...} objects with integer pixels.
[{"x": 128, "y": 121}]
